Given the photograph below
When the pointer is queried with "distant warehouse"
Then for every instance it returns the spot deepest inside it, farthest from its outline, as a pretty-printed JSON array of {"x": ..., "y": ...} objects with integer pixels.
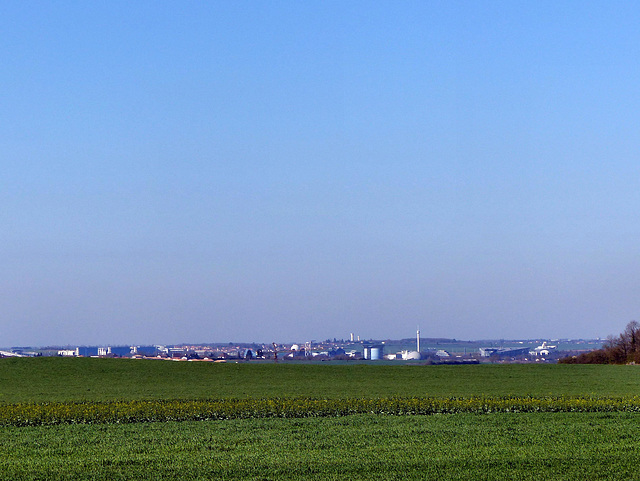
[{"x": 502, "y": 352}]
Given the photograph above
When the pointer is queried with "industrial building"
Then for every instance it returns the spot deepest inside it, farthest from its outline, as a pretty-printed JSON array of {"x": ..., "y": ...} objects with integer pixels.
[
  {"x": 373, "y": 352},
  {"x": 503, "y": 352}
]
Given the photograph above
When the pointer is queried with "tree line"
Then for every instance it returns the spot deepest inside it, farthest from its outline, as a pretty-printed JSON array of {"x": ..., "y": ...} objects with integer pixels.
[{"x": 621, "y": 349}]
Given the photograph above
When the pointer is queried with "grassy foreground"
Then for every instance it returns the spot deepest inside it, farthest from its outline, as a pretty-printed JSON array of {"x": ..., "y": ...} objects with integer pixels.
[
  {"x": 551, "y": 446},
  {"x": 60, "y": 379},
  {"x": 81, "y": 405}
]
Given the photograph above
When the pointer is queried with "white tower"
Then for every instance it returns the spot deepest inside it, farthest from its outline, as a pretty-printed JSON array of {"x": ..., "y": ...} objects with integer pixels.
[{"x": 418, "y": 340}]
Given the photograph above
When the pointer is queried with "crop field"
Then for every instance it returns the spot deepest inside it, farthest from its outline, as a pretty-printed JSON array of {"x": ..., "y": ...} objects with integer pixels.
[
  {"x": 551, "y": 446},
  {"x": 90, "y": 419},
  {"x": 87, "y": 379}
]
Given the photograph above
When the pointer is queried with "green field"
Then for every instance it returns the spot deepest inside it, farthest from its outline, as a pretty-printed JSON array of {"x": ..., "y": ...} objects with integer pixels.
[
  {"x": 65, "y": 379},
  {"x": 560, "y": 445},
  {"x": 461, "y": 446}
]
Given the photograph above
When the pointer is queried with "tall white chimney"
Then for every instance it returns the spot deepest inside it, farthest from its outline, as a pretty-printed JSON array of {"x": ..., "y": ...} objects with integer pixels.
[{"x": 418, "y": 340}]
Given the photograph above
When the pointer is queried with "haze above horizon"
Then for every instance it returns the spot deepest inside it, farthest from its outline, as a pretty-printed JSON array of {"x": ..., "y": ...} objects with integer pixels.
[{"x": 293, "y": 170}]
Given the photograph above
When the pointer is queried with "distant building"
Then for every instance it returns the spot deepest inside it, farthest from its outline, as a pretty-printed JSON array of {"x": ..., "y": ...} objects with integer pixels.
[
  {"x": 180, "y": 352},
  {"x": 69, "y": 352},
  {"x": 410, "y": 355},
  {"x": 87, "y": 351},
  {"x": 10, "y": 354},
  {"x": 503, "y": 352},
  {"x": 145, "y": 350},
  {"x": 114, "y": 351},
  {"x": 373, "y": 352},
  {"x": 543, "y": 350}
]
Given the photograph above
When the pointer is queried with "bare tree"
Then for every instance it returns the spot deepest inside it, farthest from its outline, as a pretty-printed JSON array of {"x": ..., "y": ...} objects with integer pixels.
[
  {"x": 631, "y": 337},
  {"x": 616, "y": 349}
]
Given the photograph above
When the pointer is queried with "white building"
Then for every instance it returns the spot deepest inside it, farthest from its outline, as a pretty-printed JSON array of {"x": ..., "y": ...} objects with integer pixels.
[
  {"x": 411, "y": 355},
  {"x": 543, "y": 350},
  {"x": 69, "y": 352}
]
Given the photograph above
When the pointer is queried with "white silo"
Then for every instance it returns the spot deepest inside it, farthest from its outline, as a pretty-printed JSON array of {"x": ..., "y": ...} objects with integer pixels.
[{"x": 374, "y": 352}]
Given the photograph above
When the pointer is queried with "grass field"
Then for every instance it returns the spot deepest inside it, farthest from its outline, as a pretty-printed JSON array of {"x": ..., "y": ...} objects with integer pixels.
[
  {"x": 446, "y": 447},
  {"x": 64, "y": 379},
  {"x": 554, "y": 446}
]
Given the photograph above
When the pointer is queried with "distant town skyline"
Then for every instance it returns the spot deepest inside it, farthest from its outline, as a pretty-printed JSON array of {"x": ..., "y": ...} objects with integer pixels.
[
  {"x": 281, "y": 343},
  {"x": 290, "y": 170},
  {"x": 430, "y": 351}
]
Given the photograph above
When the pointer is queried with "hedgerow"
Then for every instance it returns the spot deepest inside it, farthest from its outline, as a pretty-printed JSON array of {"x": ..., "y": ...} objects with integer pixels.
[{"x": 24, "y": 414}]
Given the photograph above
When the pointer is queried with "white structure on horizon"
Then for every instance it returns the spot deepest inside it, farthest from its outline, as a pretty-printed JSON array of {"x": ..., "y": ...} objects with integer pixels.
[
  {"x": 104, "y": 351},
  {"x": 543, "y": 350},
  {"x": 411, "y": 355},
  {"x": 307, "y": 348},
  {"x": 10, "y": 354},
  {"x": 69, "y": 352},
  {"x": 418, "y": 340}
]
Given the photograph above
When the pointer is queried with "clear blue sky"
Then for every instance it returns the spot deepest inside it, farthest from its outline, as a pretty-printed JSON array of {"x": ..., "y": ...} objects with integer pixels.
[{"x": 258, "y": 171}]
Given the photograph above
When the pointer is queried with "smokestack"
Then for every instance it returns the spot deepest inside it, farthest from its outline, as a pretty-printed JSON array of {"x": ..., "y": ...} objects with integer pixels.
[{"x": 418, "y": 340}]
